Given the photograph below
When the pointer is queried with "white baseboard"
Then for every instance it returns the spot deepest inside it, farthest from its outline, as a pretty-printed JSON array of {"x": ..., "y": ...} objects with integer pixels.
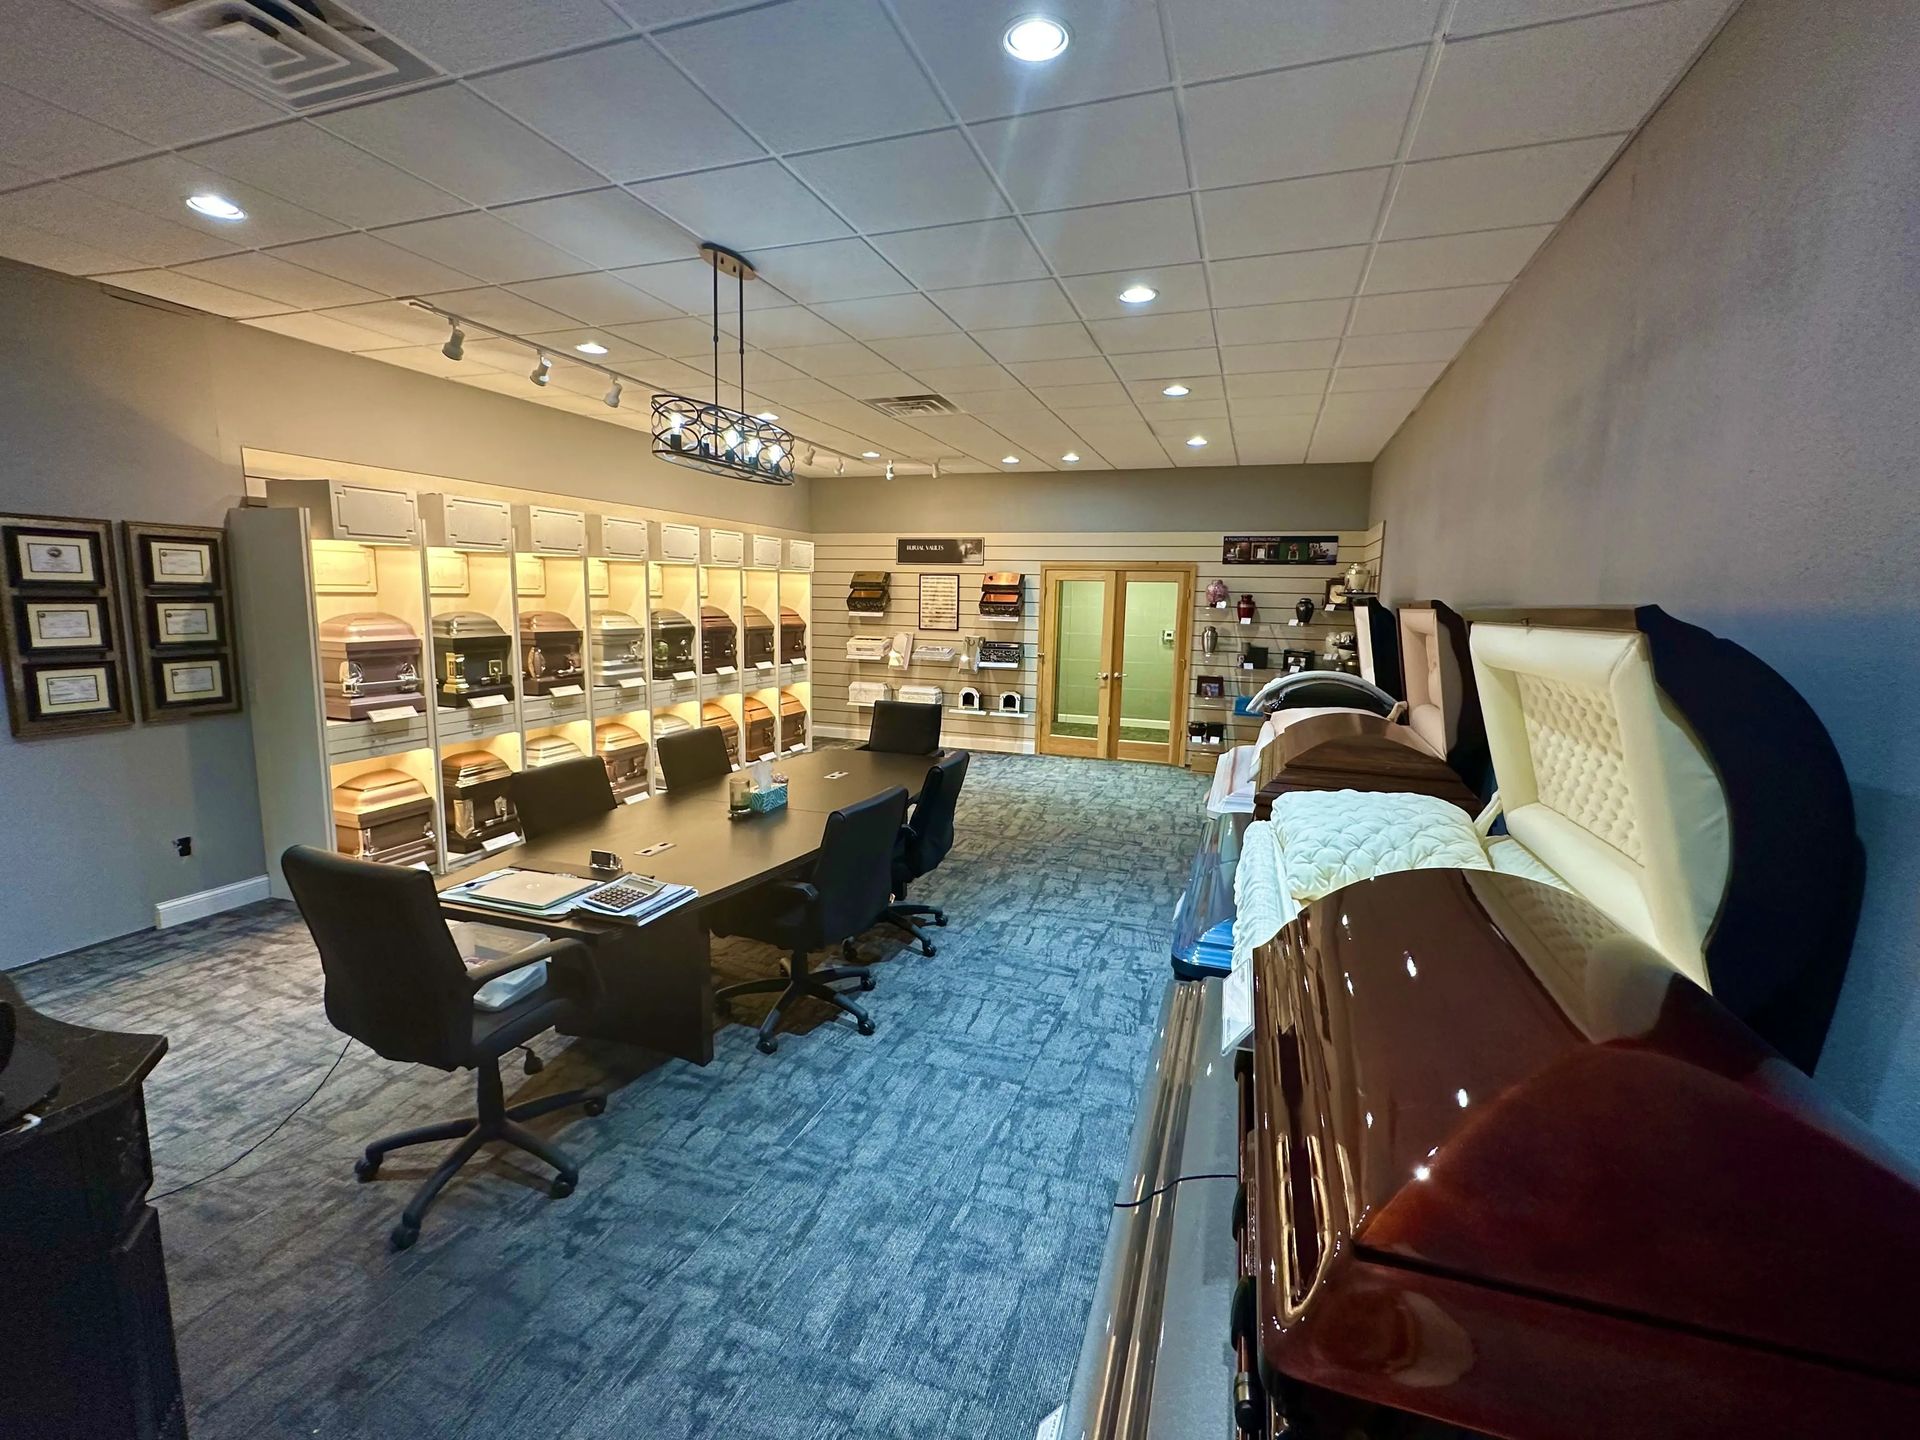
[{"x": 203, "y": 903}]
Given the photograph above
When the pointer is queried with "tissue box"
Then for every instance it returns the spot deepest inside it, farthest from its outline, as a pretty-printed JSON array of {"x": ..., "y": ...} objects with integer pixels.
[{"x": 763, "y": 802}]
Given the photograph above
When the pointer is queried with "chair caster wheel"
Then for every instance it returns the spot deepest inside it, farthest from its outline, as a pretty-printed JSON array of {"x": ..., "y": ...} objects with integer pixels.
[
  {"x": 866, "y": 1027},
  {"x": 533, "y": 1064},
  {"x": 927, "y": 948},
  {"x": 595, "y": 1106},
  {"x": 867, "y": 982},
  {"x": 941, "y": 921},
  {"x": 365, "y": 1169},
  {"x": 847, "y": 950},
  {"x": 767, "y": 1044},
  {"x": 402, "y": 1236},
  {"x": 561, "y": 1187}
]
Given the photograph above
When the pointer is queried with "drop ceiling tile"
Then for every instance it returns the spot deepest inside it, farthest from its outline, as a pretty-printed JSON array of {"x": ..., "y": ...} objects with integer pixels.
[
  {"x": 159, "y": 186},
  {"x": 787, "y": 326},
  {"x": 878, "y": 385},
  {"x": 989, "y": 307},
  {"x": 1342, "y": 115},
  {"x": 826, "y": 361},
  {"x": 1141, "y": 454},
  {"x": 830, "y": 270},
  {"x": 1293, "y": 355},
  {"x": 1357, "y": 378},
  {"x": 595, "y": 299},
  {"x": 478, "y": 33},
  {"x": 73, "y": 214},
  {"x": 33, "y": 246},
  {"x": 984, "y": 253},
  {"x": 293, "y": 286},
  {"x": 1336, "y": 443},
  {"x": 1268, "y": 410},
  {"x": 926, "y": 353},
  {"x": 455, "y": 140},
  {"x": 12, "y": 177},
  {"x": 483, "y": 245},
  {"x": 1425, "y": 309},
  {"x": 955, "y": 379},
  {"x": 993, "y": 406},
  {"x": 1167, "y": 364},
  {"x": 1038, "y": 342},
  {"x": 1116, "y": 237},
  {"x": 374, "y": 265},
  {"x": 43, "y": 140},
  {"x": 1277, "y": 447},
  {"x": 1411, "y": 348},
  {"x": 1079, "y": 397},
  {"x": 908, "y": 183},
  {"x": 677, "y": 338},
  {"x": 804, "y": 76},
  {"x": 1180, "y": 287},
  {"x": 69, "y": 58},
  {"x": 1303, "y": 275},
  {"x": 1115, "y": 50},
  {"x": 1303, "y": 320},
  {"x": 1398, "y": 404},
  {"x": 1088, "y": 155},
  {"x": 607, "y": 228},
  {"x": 753, "y": 205},
  {"x": 318, "y": 329},
  {"x": 885, "y": 317},
  {"x": 302, "y": 162},
  {"x": 1321, "y": 211},
  {"x": 200, "y": 294},
  {"x": 688, "y": 286},
  {"x": 500, "y": 309},
  {"x": 1219, "y": 451},
  {"x": 1101, "y": 420},
  {"x": 570, "y": 338},
  {"x": 1595, "y": 76},
  {"x": 1537, "y": 185},
  {"x": 799, "y": 392},
  {"x": 1186, "y": 413},
  {"x": 1186, "y": 330},
  {"x": 1212, "y": 38},
  {"x": 401, "y": 323},
  {"x": 1276, "y": 383},
  {"x": 1088, "y": 371},
  {"x": 662, "y": 125},
  {"x": 1478, "y": 17},
  {"x": 1486, "y": 257}
]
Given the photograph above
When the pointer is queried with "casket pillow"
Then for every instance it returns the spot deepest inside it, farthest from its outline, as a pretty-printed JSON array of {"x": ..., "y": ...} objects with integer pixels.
[{"x": 1332, "y": 838}]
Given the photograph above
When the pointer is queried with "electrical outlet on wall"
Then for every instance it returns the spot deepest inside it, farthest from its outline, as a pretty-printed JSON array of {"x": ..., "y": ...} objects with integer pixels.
[{"x": 183, "y": 847}]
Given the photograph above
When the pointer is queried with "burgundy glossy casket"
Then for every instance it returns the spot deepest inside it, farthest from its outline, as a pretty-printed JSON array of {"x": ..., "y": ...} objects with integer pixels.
[
  {"x": 719, "y": 640},
  {"x": 793, "y": 636}
]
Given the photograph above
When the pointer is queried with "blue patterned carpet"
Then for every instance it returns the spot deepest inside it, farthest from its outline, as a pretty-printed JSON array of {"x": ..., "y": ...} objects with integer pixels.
[{"x": 894, "y": 1235}]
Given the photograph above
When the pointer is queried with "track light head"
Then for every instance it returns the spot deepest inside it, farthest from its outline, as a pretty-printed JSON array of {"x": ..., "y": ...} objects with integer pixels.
[
  {"x": 456, "y": 346},
  {"x": 841, "y": 468},
  {"x": 541, "y": 372},
  {"x": 889, "y": 469},
  {"x": 612, "y": 397},
  {"x": 813, "y": 456}
]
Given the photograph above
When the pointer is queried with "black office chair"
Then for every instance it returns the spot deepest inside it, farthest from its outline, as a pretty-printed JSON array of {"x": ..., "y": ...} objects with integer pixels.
[
  {"x": 837, "y": 900},
  {"x": 924, "y": 842},
  {"x": 552, "y": 796},
  {"x": 902, "y": 728},
  {"x": 396, "y": 982},
  {"x": 692, "y": 757}
]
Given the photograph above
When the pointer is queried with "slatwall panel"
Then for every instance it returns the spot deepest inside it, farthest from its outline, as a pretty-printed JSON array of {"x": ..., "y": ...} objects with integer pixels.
[{"x": 1275, "y": 588}]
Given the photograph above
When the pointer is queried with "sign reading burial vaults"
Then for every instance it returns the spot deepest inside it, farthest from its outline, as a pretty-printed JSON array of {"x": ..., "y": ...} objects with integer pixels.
[{"x": 940, "y": 552}]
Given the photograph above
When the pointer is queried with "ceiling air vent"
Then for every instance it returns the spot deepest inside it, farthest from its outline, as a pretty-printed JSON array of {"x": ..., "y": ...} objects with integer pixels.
[
  {"x": 302, "y": 53},
  {"x": 906, "y": 407}
]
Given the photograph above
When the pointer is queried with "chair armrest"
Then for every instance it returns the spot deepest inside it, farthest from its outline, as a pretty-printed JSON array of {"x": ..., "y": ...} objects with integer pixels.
[
  {"x": 800, "y": 890},
  {"x": 479, "y": 975}
]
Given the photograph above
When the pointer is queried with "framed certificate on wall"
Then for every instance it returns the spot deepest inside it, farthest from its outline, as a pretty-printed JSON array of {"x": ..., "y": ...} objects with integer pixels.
[
  {"x": 62, "y": 639},
  {"x": 187, "y": 663}
]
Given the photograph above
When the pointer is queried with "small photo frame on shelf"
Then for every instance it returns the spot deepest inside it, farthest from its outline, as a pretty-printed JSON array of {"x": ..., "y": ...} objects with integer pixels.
[
  {"x": 170, "y": 560},
  {"x": 199, "y": 681},
  {"x": 184, "y": 622},
  {"x": 63, "y": 625},
  {"x": 46, "y": 557},
  {"x": 1336, "y": 594},
  {"x": 62, "y": 690}
]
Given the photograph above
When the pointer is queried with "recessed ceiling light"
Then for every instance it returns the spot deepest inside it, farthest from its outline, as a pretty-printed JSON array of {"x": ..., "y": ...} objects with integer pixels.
[
  {"x": 1071, "y": 458},
  {"x": 766, "y": 415},
  {"x": 1009, "y": 459},
  {"x": 1176, "y": 390},
  {"x": 215, "y": 207},
  {"x": 1196, "y": 441},
  {"x": 869, "y": 454},
  {"x": 1138, "y": 295},
  {"x": 1035, "y": 39},
  {"x": 591, "y": 347}
]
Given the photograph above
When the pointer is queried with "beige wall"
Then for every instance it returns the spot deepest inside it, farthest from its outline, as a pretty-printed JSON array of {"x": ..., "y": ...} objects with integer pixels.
[
  {"x": 124, "y": 411},
  {"x": 1704, "y": 394}
]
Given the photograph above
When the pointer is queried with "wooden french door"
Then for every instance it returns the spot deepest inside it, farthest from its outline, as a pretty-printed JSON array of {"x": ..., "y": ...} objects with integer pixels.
[{"x": 1113, "y": 661}]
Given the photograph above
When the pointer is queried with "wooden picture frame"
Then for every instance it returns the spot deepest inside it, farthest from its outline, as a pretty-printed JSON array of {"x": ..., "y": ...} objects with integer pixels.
[
  {"x": 62, "y": 636},
  {"x": 186, "y": 651}
]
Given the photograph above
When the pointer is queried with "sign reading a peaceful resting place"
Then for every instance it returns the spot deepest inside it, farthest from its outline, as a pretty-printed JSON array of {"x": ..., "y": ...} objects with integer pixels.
[{"x": 940, "y": 551}]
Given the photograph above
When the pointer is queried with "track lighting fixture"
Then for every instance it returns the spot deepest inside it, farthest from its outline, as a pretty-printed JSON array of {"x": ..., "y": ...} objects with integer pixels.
[
  {"x": 541, "y": 372},
  {"x": 456, "y": 346},
  {"x": 889, "y": 469},
  {"x": 612, "y": 397},
  {"x": 841, "y": 468},
  {"x": 813, "y": 457},
  {"x": 936, "y": 469}
]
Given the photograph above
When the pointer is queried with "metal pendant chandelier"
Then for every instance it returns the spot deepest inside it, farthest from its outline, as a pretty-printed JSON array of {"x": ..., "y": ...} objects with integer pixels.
[{"x": 709, "y": 436}]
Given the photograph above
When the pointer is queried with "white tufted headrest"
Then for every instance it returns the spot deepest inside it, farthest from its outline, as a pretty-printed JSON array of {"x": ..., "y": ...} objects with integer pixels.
[
  {"x": 1602, "y": 781},
  {"x": 1432, "y": 678}
]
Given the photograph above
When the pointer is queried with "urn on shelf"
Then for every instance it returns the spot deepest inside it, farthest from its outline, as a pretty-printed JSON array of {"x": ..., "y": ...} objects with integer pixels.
[
  {"x": 1217, "y": 593},
  {"x": 1210, "y": 639},
  {"x": 1247, "y": 608},
  {"x": 1303, "y": 611},
  {"x": 1359, "y": 579}
]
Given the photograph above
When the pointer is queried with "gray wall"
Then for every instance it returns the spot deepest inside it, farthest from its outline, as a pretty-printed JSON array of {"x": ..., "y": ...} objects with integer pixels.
[
  {"x": 1228, "y": 499},
  {"x": 123, "y": 411},
  {"x": 1705, "y": 392}
]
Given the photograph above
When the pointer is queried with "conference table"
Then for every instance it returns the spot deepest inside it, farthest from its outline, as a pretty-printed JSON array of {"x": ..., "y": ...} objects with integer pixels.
[{"x": 654, "y": 980}]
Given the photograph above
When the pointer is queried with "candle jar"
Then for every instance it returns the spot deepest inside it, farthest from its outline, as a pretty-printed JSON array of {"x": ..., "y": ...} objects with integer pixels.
[{"x": 737, "y": 802}]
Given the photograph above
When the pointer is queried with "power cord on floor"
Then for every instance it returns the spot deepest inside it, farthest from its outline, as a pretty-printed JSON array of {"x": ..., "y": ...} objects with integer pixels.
[
  {"x": 1177, "y": 1180},
  {"x": 266, "y": 1137}
]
